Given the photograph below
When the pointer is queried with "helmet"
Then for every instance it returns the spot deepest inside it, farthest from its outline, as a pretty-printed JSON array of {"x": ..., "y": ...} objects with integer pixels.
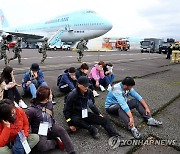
[
  {"x": 34, "y": 67},
  {"x": 3, "y": 36}
]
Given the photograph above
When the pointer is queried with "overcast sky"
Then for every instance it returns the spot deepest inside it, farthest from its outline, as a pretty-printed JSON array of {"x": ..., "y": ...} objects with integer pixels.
[{"x": 131, "y": 18}]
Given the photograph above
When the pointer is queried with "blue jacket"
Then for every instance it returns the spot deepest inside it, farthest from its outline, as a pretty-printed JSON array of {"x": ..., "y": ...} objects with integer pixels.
[
  {"x": 27, "y": 77},
  {"x": 119, "y": 96},
  {"x": 66, "y": 80}
]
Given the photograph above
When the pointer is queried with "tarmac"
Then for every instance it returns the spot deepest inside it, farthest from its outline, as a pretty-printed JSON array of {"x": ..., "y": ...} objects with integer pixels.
[{"x": 157, "y": 81}]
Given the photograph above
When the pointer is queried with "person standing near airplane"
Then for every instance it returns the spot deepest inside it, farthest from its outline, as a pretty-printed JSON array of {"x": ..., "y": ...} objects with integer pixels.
[
  {"x": 3, "y": 48},
  {"x": 44, "y": 49},
  {"x": 81, "y": 46},
  {"x": 17, "y": 49}
]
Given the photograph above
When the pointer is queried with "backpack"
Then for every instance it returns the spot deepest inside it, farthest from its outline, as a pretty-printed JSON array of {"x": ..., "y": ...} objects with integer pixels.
[
  {"x": 60, "y": 76},
  {"x": 59, "y": 79}
]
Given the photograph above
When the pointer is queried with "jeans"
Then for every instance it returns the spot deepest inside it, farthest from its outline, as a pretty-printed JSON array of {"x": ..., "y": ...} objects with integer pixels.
[
  {"x": 116, "y": 109},
  {"x": 12, "y": 94},
  {"x": 110, "y": 78},
  {"x": 102, "y": 82},
  {"x": 32, "y": 89}
]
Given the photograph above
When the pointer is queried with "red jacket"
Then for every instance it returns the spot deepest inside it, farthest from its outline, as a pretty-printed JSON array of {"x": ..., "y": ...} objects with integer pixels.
[{"x": 9, "y": 134}]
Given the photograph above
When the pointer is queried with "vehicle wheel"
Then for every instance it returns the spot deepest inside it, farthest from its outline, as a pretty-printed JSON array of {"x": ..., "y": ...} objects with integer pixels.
[
  {"x": 141, "y": 51},
  {"x": 68, "y": 48},
  {"x": 55, "y": 48}
]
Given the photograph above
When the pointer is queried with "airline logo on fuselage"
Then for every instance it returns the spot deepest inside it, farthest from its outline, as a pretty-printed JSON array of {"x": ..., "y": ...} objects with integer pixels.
[{"x": 57, "y": 20}]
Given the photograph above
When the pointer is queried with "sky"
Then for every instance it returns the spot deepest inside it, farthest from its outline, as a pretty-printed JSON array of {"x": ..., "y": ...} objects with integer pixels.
[{"x": 130, "y": 18}]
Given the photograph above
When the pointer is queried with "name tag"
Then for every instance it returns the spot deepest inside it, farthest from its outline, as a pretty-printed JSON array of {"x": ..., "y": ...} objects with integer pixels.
[
  {"x": 24, "y": 142},
  {"x": 43, "y": 128},
  {"x": 84, "y": 113}
]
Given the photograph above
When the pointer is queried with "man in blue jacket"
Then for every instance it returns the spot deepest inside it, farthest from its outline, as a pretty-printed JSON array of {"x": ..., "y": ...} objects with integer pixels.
[
  {"x": 117, "y": 103},
  {"x": 33, "y": 79},
  {"x": 68, "y": 81}
]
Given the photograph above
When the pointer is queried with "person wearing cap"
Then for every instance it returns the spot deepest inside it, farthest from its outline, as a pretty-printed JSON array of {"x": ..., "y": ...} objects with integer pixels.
[
  {"x": 76, "y": 113},
  {"x": 68, "y": 81},
  {"x": 33, "y": 79},
  {"x": 117, "y": 103}
]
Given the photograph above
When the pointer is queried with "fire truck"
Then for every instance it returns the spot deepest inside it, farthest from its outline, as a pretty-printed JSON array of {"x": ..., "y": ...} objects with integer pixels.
[{"x": 120, "y": 44}]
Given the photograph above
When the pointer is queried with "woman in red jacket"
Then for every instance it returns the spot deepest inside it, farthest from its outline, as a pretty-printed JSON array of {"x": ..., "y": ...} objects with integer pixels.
[{"x": 12, "y": 121}]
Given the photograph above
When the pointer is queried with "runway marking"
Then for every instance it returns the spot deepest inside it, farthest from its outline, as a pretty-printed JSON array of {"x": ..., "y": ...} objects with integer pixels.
[
  {"x": 100, "y": 55},
  {"x": 77, "y": 64}
]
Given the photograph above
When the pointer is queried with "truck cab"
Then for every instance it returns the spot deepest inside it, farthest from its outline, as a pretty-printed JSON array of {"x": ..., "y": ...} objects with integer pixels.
[
  {"x": 122, "y": 45},
  {"x": 147, "y": 46}
]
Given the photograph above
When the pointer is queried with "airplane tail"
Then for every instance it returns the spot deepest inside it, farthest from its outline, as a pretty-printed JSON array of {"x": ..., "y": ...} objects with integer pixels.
[{"x": 3, "y": 20}]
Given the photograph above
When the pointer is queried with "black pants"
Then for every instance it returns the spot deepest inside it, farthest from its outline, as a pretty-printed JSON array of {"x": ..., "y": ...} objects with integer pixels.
[
  {"x": 102, "y": 82},
  {"x": 49, "y": 142},
  {"x": 12, "y": 94},
  {"x": 93, "y": 119},
  {"x": 66, "y": 90},
  {"x": 169, "y": 55},
  {"x": 116, "y": 109}
]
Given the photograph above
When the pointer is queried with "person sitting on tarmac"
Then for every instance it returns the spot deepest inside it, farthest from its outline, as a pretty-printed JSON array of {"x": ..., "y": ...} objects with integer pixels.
[
  {"x": 76, "y": 106},
  {"x": 117, "y": 103},
  {"x": 40, "y": 115},
  {"x": 83, "y": 71},
  {"x": 33, "y": 79},
  {"x": 13, "y": 124},
  {"x": 97, "y": 76},
  {"x": 68, "y": 81},
  {"x": 108, "y": 72},
  {"x": 8, "y": 88}
]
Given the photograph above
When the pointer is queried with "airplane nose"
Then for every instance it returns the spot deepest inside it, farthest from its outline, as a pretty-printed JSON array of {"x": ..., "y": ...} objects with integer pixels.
[{"x": 108, "y": 25}]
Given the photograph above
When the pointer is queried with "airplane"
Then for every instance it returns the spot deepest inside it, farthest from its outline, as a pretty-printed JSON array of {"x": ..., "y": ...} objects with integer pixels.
[{"x": 73, "y": 27}]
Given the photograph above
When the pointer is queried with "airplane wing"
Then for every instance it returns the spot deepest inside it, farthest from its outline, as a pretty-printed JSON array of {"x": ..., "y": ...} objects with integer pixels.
[{"x": 26, "y": 36}]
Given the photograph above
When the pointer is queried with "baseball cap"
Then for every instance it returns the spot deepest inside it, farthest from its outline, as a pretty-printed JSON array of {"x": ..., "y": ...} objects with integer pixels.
[
  {"x": 83, "y": 80},
  {"x": 34, "y": 67}
]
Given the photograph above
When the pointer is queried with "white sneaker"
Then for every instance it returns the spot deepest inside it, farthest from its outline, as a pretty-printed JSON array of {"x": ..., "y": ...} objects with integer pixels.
[
  {"x": 102, "y": 88},
  {"x": 22, "y": 104},
  {"x": 109, "y": 87},
  {"x": 16, "y": 105},
  {"x": 95, "y": 93}
]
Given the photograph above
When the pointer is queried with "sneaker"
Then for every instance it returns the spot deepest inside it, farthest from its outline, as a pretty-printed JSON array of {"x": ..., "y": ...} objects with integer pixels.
[
  {"x": 95, "y": 93},
  {"x": 22, "y": 104},
  {"x": 60, "y": 143},
  {"x": 102, "y": 88},
  {"x": 136, "y": 133},
  {"x": 15, "y": 104},
  {"x": 109, "y": 87},
  {"x": 94, "y": 132},
  {"x": 153, "y": 122}
]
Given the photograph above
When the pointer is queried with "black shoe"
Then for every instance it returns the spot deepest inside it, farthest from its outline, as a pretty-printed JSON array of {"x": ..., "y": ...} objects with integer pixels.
[{"x": 94, "y": 132}]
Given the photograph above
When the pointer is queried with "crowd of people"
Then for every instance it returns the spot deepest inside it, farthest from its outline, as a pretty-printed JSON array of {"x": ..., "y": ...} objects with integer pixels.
[{"x": 35, "y": 126}]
